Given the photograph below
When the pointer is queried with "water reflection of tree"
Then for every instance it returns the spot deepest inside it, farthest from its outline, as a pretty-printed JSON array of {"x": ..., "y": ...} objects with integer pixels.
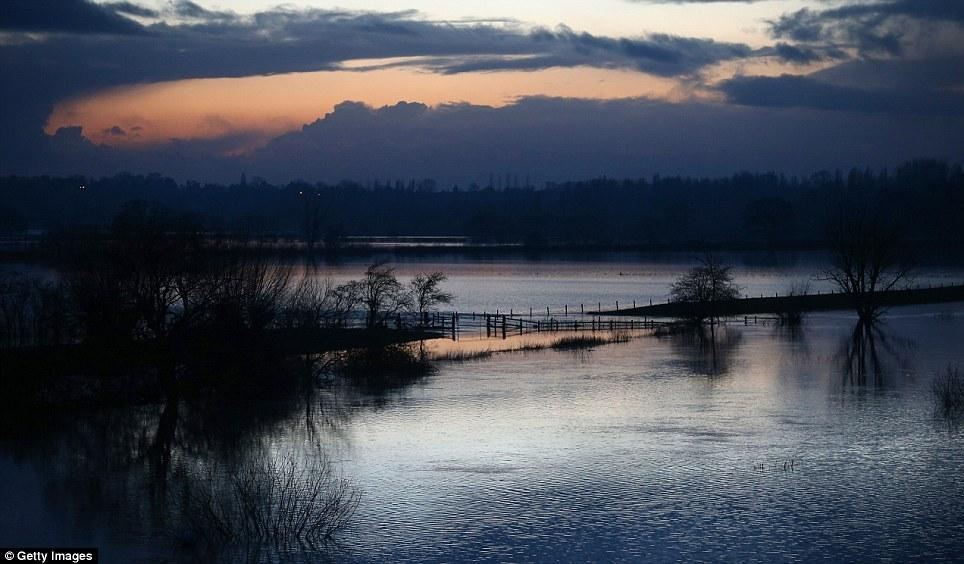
[
  {"x": 140, "y": 472},
  {"x": 707, "y": 351},
  {"x": 870, "y": 352},
  {"x": 290, "y": 501}
]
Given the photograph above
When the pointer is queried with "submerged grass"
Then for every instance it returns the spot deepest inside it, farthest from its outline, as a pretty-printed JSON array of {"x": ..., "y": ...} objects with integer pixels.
[
  {"x": 462, "y": 356},
  {"x": 278, "y": 501},
  {"x": 576, "y": 342},
  {"x": 567, "y": 343},
  {"x": 948, "y": 392},
  {"x": 394, "y": 359}
]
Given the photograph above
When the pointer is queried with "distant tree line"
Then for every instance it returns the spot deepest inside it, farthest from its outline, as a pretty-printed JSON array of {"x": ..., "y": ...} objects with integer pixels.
[
  {"x": 153, "y": 278},
  {"x": 925, "y": 197}
]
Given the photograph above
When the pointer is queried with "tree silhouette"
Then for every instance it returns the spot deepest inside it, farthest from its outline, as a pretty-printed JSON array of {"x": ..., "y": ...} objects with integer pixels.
[
  {"x": 427, "y": 293},
  {"x": 382, "y": 294},
  {"x": 866, "y": 258},
  {"x": 703, "y": 288}
]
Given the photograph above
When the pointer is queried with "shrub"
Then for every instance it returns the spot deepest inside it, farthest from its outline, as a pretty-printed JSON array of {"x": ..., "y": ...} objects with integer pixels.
[{"x": 948, "y": 392}]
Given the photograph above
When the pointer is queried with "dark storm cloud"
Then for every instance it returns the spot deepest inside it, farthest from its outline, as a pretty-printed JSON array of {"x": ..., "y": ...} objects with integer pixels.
[
  {"x": 72, "y": 16},
  {"x": 801, "y": 54},
  {"x": 883, "y": 110},
  {"x": 661, "y": 54},
  {"x": 39, "y": 72},
  {"x": 565, "y": 138},
  {"x": 877, "y": 28},
  {"x": 937, "y": 73},
  {"x": 658, "y": 54},
  {"x": 97, "y": 47},
  {"x": 868, "y": 35},
  {"x": 116, "y": 131},
  {"x": 806, "y": 92},
  {"x": 893, "y": 75},
  {"x": 219, "y": 44},
  {"x": 939, "y": 10},
  {"x": 544, "y": 138},
  {"x": 222, "y": 44}
]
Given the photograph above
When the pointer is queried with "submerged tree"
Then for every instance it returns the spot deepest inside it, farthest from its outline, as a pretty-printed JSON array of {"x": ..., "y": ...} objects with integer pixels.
[
  {"x": 382, "y": 294},
  {"x": 703, "y": 288},
  {"x": 427, "y": 293},
  {"x": 866, "y": 258}
]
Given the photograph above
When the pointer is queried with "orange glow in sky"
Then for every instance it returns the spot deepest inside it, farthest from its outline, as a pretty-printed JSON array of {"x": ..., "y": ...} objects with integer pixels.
[{"x": 262, "y": 107}]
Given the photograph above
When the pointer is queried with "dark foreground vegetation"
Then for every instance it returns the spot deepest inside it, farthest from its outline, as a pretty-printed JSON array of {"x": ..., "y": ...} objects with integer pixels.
[
  {"x": 275, "y": 501},
  {"x": 190, "y": 359},
  {"x": 744, "y": 210},
  {"x": 149, "y": 311},
  {"x": 948, "y": 392}
]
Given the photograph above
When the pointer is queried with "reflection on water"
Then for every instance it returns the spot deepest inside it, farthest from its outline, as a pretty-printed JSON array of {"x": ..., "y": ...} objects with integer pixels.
[
  {"x": 708, "y": 351},
  {"x": 868, "y": 351},
  {"x": 181, "y": 481},
  {"x": 592, "y": 280},
  {"x": 667, "y": 448}
]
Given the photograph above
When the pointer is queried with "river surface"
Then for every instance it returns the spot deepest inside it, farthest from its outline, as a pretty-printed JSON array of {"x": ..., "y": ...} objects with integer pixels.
[
  {"x": 754, "y": 444},
  {"x": 601, "y": 280}
]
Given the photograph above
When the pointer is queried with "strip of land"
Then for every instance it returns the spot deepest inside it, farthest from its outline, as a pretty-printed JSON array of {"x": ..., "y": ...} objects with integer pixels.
[
  {"x": 308, "y": 341},
  {"x": 803, "y": 303}
]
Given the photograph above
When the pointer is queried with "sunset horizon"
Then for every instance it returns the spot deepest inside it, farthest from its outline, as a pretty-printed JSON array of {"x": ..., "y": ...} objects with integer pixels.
[
  {"x": 101, "y": 88},
  {"x": 482, "y": 281}
]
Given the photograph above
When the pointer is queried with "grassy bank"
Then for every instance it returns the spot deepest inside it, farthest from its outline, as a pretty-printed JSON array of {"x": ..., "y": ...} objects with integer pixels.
[{"x": 804, "y": 303}]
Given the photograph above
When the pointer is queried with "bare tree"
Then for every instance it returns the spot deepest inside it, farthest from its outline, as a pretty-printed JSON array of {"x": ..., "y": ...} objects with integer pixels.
[
  {"x": 309, "y": 304},
  {"x": 866, "y": 258},
  {"x": 382, "y": 294},
  {"x": 346, "y": 298},
  {"x": 250, "y": 292},
  {"x": 427, "y": 293},
  {"x": 703, "y": 288}
]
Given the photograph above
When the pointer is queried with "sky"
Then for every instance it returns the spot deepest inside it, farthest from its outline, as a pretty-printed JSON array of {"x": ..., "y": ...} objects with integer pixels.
[{"x": 458, "y": 91}]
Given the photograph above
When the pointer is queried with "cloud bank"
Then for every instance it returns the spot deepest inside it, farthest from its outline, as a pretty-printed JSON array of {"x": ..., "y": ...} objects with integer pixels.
[{"x": 891, "y": 88}]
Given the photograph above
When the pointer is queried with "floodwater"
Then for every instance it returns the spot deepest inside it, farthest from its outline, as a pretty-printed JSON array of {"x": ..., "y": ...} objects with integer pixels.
[
  {"x": 486, "y": 284},
  {"x": 754, "y": 444}
]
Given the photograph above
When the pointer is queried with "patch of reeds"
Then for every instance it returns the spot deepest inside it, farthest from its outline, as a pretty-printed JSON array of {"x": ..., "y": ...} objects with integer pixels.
[
  {"x": 948, "y": 392},
  {"x": 577, "y": 342},
  {"x": 462, "y": 356},
  {"x": 278, "y": 501},
  {"x": 379, "y": 370},
  {"x": 396, "y": 359}
]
